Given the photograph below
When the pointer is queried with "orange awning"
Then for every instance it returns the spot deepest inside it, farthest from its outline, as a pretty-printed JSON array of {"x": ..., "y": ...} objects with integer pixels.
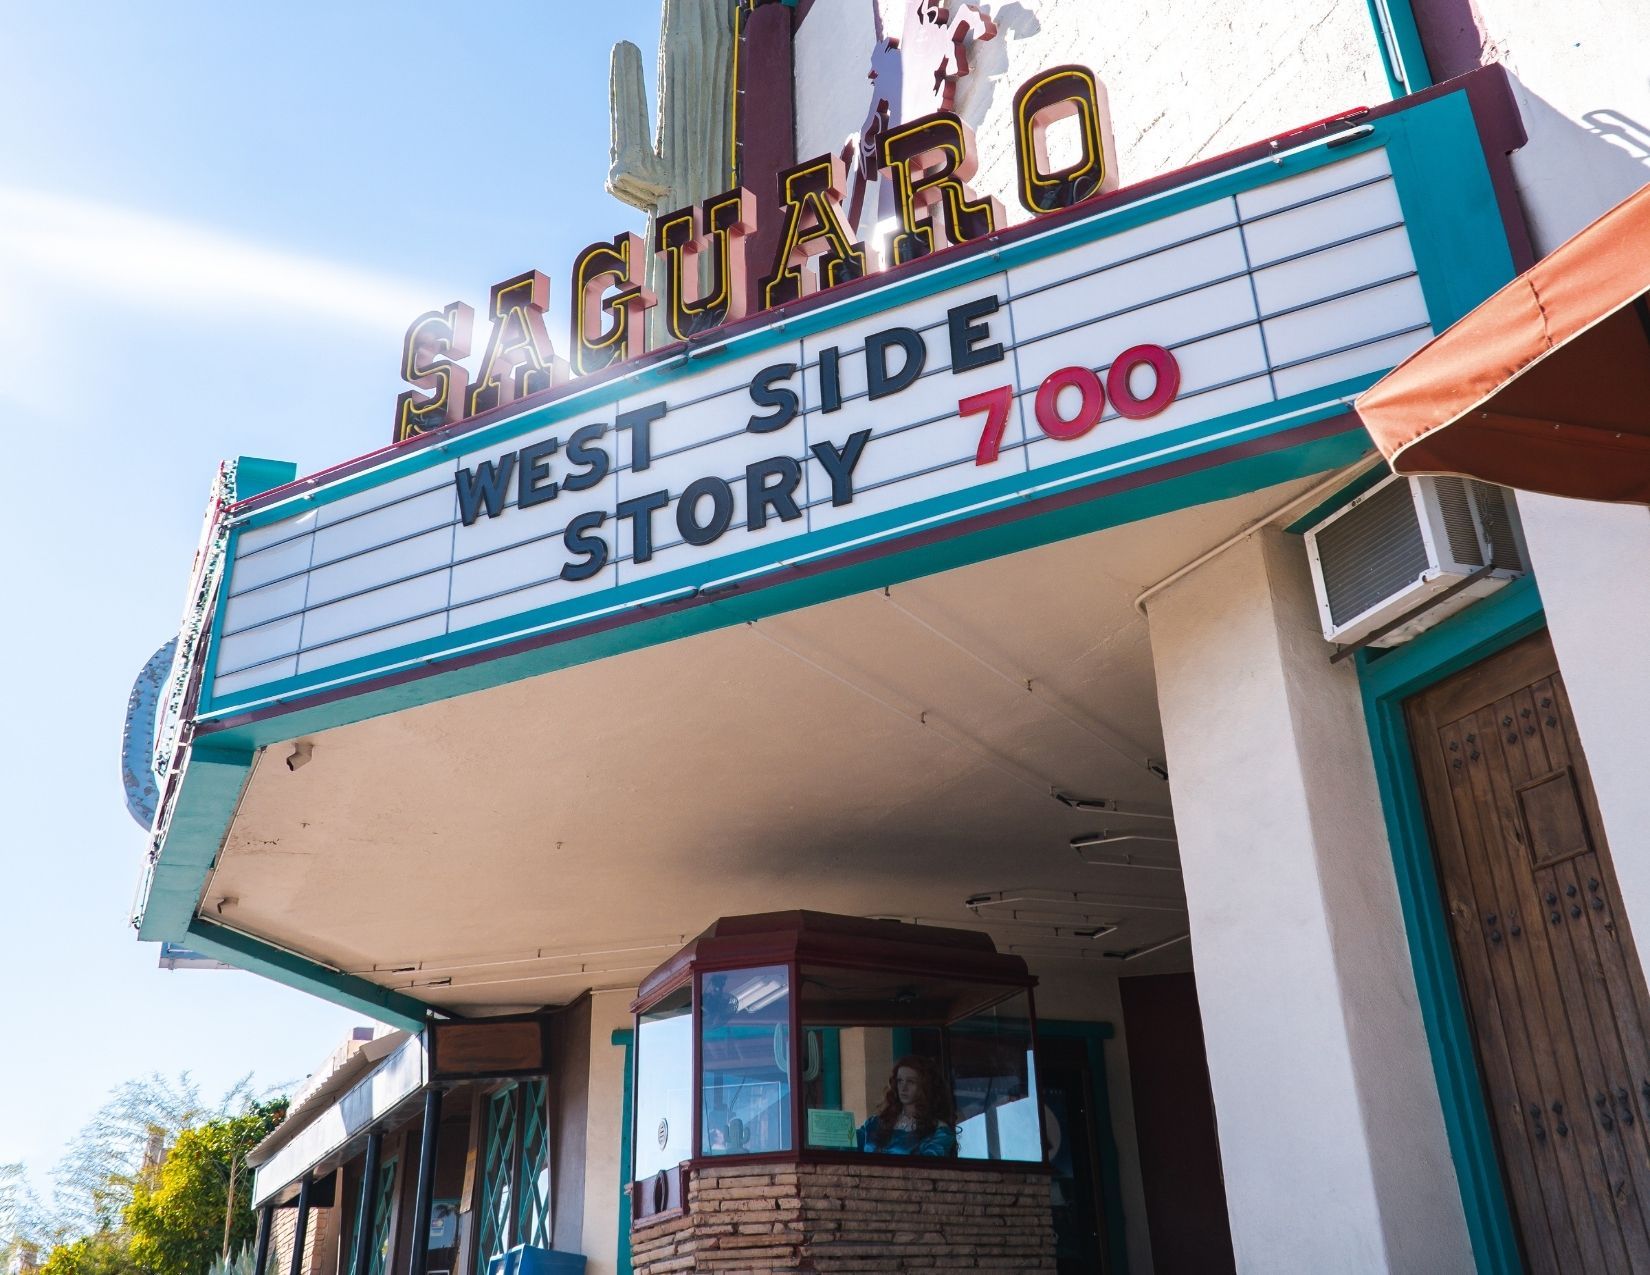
[{"x": 1544, "y": 387}]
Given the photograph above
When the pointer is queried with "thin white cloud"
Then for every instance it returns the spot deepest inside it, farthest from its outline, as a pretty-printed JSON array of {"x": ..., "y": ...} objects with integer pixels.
[{"x": 166, "y": 264}]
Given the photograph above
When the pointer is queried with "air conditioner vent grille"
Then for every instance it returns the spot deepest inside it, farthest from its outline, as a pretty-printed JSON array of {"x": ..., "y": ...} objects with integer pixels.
[
  {"x": 1455, "y": 504},
  {"x": 1505, "y": 549},
  {"x": 1372, "y": 552}
]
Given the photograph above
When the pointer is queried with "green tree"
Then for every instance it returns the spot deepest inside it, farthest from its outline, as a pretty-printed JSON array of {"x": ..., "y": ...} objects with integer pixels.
[
  {"x": 177, "y": 1221},
  {"x": 104, "y": 1253},
  {"x": 99, "y": 1172}
]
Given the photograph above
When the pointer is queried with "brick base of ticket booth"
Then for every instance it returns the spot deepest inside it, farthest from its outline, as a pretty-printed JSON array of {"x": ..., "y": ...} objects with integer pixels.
[{"x": 755, "y": 1219}]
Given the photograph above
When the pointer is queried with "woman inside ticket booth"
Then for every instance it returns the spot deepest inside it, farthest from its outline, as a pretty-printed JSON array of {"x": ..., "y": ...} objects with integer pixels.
[{"x": 917, "y": 1117}]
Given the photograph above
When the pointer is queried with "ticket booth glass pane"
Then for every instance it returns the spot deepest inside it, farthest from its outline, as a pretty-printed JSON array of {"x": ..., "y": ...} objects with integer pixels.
[
  {"x": 745, "y": 1094},
  {"x": 664, "y": 1085},
  {"x": 973, "y": 1042},
  {"x": 994, "y": 1074}
]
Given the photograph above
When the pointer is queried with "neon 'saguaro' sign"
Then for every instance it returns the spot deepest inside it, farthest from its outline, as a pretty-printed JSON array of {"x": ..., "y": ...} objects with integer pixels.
[{"x": 702, "y": 265}]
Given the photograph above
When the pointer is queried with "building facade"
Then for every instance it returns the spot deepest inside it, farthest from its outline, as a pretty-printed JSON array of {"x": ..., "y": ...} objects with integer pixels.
[{"x": 924, "y": 530}]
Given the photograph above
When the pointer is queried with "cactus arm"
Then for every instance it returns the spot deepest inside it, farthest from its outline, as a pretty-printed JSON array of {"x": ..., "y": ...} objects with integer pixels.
[{"x": 635, "y": 174}]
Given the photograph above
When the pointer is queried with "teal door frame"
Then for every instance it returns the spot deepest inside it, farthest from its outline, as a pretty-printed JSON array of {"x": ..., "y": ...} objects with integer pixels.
[{"x": 1387, "y": 679}]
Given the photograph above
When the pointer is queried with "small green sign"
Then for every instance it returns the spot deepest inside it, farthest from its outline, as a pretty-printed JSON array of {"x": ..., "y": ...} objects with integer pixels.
[{"x": 834, "y": 1129}]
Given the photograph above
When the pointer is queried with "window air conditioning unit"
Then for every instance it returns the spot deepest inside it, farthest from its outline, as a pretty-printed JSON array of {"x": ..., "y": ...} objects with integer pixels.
[{"x": 1384, "y": 558}]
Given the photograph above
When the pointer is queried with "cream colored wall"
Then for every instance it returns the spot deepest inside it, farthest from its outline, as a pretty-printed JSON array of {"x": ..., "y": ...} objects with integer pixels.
[
  {"x": 1331, "y": 1131},
  {"x": 609, "y": 1012},
  {"x": 1186, "y": 79},
  {"x": 867, "y": 1060}
]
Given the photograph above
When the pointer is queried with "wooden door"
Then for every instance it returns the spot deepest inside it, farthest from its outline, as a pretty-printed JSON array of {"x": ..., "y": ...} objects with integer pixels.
[{"x": 1550, "y": 977}]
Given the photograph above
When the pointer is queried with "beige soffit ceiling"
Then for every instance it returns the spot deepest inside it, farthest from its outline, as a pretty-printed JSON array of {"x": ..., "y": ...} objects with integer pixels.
[{"x": 888, "y": 754}]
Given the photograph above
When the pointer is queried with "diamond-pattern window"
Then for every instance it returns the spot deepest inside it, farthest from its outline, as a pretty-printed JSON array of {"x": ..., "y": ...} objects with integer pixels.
[
  {"x": 383, "y": 1197},
  {"x": 533, "y": 1195},
  {"x": 497, "y": 1179}
]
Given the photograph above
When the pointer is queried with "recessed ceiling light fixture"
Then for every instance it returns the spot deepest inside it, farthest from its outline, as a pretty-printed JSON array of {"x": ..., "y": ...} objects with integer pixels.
[{"x": 1111, "y": 806}]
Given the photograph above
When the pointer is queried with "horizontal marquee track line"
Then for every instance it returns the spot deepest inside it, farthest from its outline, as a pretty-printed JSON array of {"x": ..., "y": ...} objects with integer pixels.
[{"x": 804, "y": 367}]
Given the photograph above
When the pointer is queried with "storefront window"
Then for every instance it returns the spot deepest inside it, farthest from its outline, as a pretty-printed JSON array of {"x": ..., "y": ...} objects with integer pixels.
[
  {"x": 745, "y": 1050},
  {"x": 664, "y": 1085},
  {"x": 515, "y": 1182},
  {"x": 900, "y": 1066}
]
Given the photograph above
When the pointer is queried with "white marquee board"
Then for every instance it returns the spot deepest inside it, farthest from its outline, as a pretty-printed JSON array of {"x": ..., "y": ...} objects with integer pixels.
[{"x": 1275, "y": 296}]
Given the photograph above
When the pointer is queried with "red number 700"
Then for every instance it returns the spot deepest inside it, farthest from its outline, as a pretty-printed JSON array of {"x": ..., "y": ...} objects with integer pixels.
[{"x": 997, "y": 403}]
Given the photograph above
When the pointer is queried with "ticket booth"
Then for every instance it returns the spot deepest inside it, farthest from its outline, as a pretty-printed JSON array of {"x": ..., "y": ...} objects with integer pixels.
[{"x": 804, "y": 1081}]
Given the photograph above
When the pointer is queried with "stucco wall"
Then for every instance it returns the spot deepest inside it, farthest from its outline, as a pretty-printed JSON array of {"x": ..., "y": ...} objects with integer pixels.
[
  {"x": 604, "y": 1115},
  {"x": 1186, "y": 79},
  {"x": 1331, "y": 1132},
  {"x": 1582, "y": 89}
]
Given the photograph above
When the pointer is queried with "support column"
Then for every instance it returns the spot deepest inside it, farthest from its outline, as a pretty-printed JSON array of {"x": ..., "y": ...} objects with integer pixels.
[
  {"x": 266, "y": 1224},
  {"x": 300, "y": 1228},
  {"x": 428, "y": 1142},
  {"x": 1331, "y": 1133},
  {"x": 365, "y": 1216},
  {"x": 1592, "y": 562}
]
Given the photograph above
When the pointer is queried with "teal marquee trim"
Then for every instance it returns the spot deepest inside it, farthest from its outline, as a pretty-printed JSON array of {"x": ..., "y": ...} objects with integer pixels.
[
  {"x": 1340, "y": 498},
  {"x": 1387, "y": 679},
  {"x": 255, "y": 475},
  {"x": 1403, "y": 56},
  {"x": 1094, "y": 1037},
  {"x": 1206, "y": 439},
  {"x": 281, "y": 966}
]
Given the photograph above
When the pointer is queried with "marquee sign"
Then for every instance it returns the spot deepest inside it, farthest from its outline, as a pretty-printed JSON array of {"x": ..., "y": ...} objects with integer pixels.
[{"x": 1258, "y": 294}]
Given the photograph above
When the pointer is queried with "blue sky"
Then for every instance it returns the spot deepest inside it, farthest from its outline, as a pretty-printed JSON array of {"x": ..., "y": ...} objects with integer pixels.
[{"x": 216, "y": 221}]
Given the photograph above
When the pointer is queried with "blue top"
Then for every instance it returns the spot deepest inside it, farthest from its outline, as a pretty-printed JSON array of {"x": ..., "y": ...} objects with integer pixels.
[{"x": 942, "y": 1142}]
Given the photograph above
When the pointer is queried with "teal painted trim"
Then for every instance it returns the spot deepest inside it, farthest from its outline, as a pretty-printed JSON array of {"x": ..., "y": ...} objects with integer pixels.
[
  {"x": 1403, "y": 56},
  {"x": 198, "y": 824},
  {"x": 1338, "y": 500},
  {"x": 220, "y": 610},
  {"x": 1465, "y": 638},
  {"x": 255, "y": 475},
  {"x": 1456, "y": 231},
  {"x": 1094, "y": 1037},
  {"x": 624, "y": 1038},
  {"x": 305, "y": 975},
  {"x": 830, "y": 1064},
  {"x": 1386, "y": 680},
  {"x": 1217, "y": 482},
  {"x": 984, "y": 264}
]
